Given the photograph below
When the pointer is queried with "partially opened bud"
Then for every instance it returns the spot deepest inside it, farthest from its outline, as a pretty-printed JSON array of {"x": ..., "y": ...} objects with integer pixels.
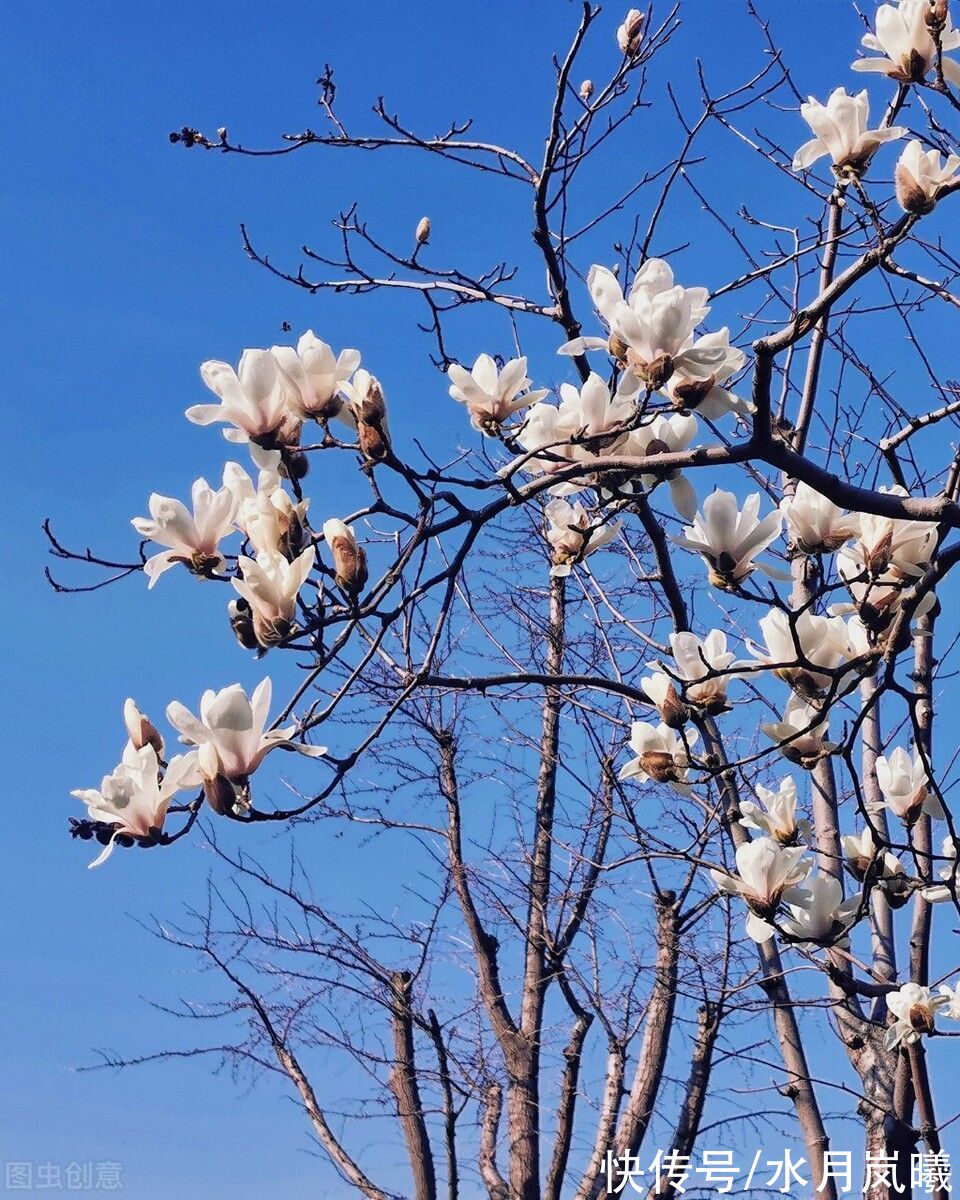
[
  {"x": 349, "y": 558},
  {"x": 141, "y": 730},
  {"x": 218, "y": 791},
  {"x": 630, "y": 33},
  {"x": 372, "y": 422},
  {"x": 586, "y": 90}
]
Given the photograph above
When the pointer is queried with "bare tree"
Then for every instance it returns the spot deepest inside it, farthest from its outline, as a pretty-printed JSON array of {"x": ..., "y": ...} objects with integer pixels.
[{"x": 565, "y": 984}]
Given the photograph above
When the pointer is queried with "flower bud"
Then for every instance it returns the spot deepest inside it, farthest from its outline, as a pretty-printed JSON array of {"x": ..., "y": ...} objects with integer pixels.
[
  {"x": 141, "y": 729},
  {"x": 910, "y": 195},
  {"x": 218, "y": 791},
  {"x": 630, "y": 33},
  {"x": 423, "y": 231},
  {"x": 349, "y": 558},
  {"x": 586, "y": 90},
  {"x": 659, "y": 765},
  {"x": 241, "y": 622},
  {"x": 657, "y": 373}
]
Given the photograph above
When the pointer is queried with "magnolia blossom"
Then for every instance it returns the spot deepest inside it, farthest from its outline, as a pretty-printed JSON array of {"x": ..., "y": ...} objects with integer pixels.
[
  {"x": 235, "y": 727},
  {"x": 366, "y": 409},
  {"x": 661, "y": 756},
  {"x": 888, "y": 554},
  {"x": 728, "y": 538},
  {"x": 315, "y": 377},
  {"x": 706, "y": 396},
  {"x": 588, "y": 422},
  {"x": 777, "y": 817},
  {"x": 491, "y": 395},
  {"x": 863, "y": 856},
  {"x": 193, "y": 539},
  {"x": 572, "y": 536},
  {"x": 266, "y": 515},
  {"x": 651, "y": 331},
  {"x": 952, "y": 996},
  {"x": 938, "y": 892},
  {"x": 630, "y": 32},
  {"x": 767, "y": 874},
  {"x": 915, "y": 1008},
  {"x": 808, "y": 640},
  {"x": 666, "y": 435},
  {"x": 140, "y": 729},
  {"x": 253, "y": 398},
  {"x": 905, "y": 786},
  {"x": 801, "y": 733},
  {"x": 920, "y": 177},
  {"x": 814, "y": 523},
  {"x": 905, "y": 39},
  {"x": 270, "y": 585},
  {"x": 821, "y": 917},
  {"x": 134, "y": 797},
  {"x": 702, "y": 670},
  {"x": 349, "y": 557},
  {"x": 841, "y": 132}
]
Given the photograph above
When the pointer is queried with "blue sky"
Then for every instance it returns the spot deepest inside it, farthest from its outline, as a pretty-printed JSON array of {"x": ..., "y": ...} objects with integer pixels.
[{"x": 123, "y": 271}]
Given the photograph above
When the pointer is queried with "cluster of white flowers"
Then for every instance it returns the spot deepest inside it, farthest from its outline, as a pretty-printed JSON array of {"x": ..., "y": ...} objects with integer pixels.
[{"x": 230, "y": 740}]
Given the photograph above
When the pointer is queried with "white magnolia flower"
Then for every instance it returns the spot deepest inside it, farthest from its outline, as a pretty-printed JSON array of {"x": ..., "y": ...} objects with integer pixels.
[
  {"x": 366, "y": 410},
  {"x": 701, "y": 670},
  {"x": 235, "y": 727},
  {"x": 905, "y": 786},
  {"x": 815, "y": 524},
  {"x": 907, "y": 44},
  {"x": 777, "y": 817},
  {"x": 952, "y": 996},
  {"x": 705, "y": 395},
  {"x": 937, "y": 893},
  {"x": 651, "y": 331},
  {"x": 920, "y": 177},
  {"x": 572, "y": 536},
  {"x": 808, "y": 640},
  {"x": 729, "y": 539},
  {"x": 666, "y": 435},
  {"x": 863, "y": 856},
  {"x": 491, "y": 396},
  {"x": 253, "y": 398},
  {"x": 801, "y": 733},
  {"x": 265, "y": 514},
  {"x": 349, "y": 557},
  {"x": 915, "y": 1009},
  {"x": 270, "y": 584},
  {"x": 821, "y": 917},
  {"x": 841, "y": 132},
  {"x": 630, "y": 32},
  {"x": 193, "y": 539},
  {"x": 587, "y": 424},
  {"x": 661, "y": 756},
  {"x": 315, "y": 377},
  {"x": 134, "y": 796},
  {"x": 768, "y": 874}
]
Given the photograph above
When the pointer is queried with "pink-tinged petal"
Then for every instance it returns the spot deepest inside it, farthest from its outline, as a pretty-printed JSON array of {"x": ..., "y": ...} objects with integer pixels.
[
  {"x": 205, "y": 414},
  {"x": 154, "y": 567}
]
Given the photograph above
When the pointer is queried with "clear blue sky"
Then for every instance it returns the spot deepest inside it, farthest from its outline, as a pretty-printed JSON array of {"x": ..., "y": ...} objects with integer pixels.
[{"x": 122, "y": 271}]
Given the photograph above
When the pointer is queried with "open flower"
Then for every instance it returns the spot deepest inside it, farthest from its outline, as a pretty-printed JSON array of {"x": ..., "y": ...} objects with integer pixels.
[
  {"x": 920, "y": 177},
  {"x": 666, "y": 435},
  {"x": 193, "y": 538},
  {"x": 915, "y": 1008},
  {"x": 821, "y": 916},
  {"x": 808, "y": 640},
  {"x": 702, "y": 393},
  {"x": 814, "y": 523},
  {"x": 270, "y": 585},
  {"x": 235, "y": 727},
  {"x": 801, "y": 733},
  {"x": 660, "y": 756},
  {"x": 777, "y": 817},
  {"x": 863, "y": 856},
  {"x": 572, "y": 536},
  {"x": 729, "y": 539},
  {"x": 134, "y": 797},
  {"x": 491, "y": 396},
  {"x": 252, "y": 398},
  {"x": 315, "y": 377},
  {"x": 702, "y": 673},
  {"x": 266, "y": 515},
  {"x": 841, "y": 132},
  {"x": 905, "y": 39},
  {"x": 767, "y": 874},
  {"x": 905, "y": 786}
]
